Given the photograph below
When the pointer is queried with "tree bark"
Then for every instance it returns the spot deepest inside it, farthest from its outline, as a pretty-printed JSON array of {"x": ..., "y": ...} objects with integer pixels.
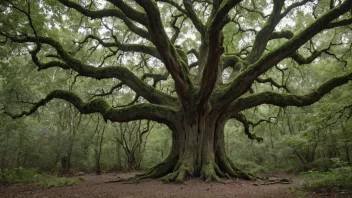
[{"x": 198, "y": 150}]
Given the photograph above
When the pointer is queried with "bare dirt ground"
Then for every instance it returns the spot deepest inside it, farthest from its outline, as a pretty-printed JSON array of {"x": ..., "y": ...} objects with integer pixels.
[{"x": 95, "y": 186}]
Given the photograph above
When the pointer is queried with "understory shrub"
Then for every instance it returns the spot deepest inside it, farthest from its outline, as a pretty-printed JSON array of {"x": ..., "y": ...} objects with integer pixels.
[
  {"x": 18, "y": 175},
  {"x": 249, "y": 166},
  {"x": 31, "y": 175},
  {"x": 337, "y": 179}
]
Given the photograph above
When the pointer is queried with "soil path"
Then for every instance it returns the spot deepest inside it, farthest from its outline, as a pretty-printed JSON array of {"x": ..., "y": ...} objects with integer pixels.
[{"x": 95, "y": 186}]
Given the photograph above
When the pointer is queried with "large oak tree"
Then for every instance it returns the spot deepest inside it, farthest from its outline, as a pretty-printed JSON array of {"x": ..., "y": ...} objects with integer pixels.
[{"x": 211, "y": 51}]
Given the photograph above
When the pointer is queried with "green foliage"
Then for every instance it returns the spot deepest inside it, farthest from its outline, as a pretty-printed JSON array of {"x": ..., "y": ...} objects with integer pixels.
[
  {"x": 18, "y": 175},
  {"x": 249, "y": 166},
  {"x": 48, "y": 181},
  {"x": 320, "y": 165},
  {"x": 297, "y": 192},
  {"x": 323, "y": 165},
  {"x": 338, "y": 179},
  {"x": 31, "y": 175},
  {"x": 158, "y": 146}
]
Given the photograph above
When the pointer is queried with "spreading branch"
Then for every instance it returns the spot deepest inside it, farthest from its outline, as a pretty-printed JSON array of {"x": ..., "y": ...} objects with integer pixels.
[
  {"x": 123, "y": 47},
  {"x": 293, "y": 6},
  {"x": 306, "y": 60},
  {"x": 131, "y": 13},
  {"x": 243, "y": 119},
  {"x": 112, "y": 89},
  {"x": 156, "y": 77},
  {"x": 99, "y": 14},
  {"x": 340, "y": 23},
  {"x": 283, "y": 34},
  {"x": 215, "y": 50},
  {"x": 172, "y": 60},
  {"x": 263, "y": 36},
  {"x": 69, "y": 62},
  {"x": 171, "y": 2},
  {"x": 193, "y": 16},
  {"x": 241, "y": 84},
  {"x": 284, "y": 100},
  {"x": 273, "y": 83},
  {"x": 130, "y": 113}
]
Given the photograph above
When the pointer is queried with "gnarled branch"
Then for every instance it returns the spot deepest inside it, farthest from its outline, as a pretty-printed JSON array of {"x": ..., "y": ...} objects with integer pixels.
[
  {"x": 124, "y": 47},
  {"x": 135, "y": 112},
  {"x": 283, "y": 34},
  {"x": 193, "y": 16},
  {"x": 284, "y": 100},
  {"x": 69, "y": 62},
  {"x": 241, "y": 84},
  {"x": 272, "y": 83},
  {"x": 243, "y": 119},
  {"x": 99, "y": 14},
  {"x": 171, "y": 58}
]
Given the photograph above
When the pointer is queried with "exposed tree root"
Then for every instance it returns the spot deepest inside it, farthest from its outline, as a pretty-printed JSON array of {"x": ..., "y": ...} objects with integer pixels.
[
  {"x": 241, "y": 174},
  {"x": 159, "y": 170},
  {"x": 208, "y": 172},
  {"x": 183, "y": 169},
  {"x": 115, "y": 181},
  {"x": 226, "y": 165},
  {"x": 131, "y": 180},
  {"x": 220, "y": 173},
  {"x": 275, "y": 181}
]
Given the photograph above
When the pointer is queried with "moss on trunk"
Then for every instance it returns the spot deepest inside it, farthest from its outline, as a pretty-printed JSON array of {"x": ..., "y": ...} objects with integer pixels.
[{"x": 198, "y": 150}]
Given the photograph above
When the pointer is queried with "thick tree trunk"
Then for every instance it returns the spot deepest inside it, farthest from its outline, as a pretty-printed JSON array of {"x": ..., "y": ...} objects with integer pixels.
[{"x": 198, "y": 150}]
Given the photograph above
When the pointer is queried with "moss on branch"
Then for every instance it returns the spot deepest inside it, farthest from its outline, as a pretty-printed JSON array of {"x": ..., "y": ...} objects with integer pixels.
[
  {"x": 284, "y": 100},
  {"x": 306, "y": 60},
  {"x": 124, "y": 47},
  {"x": 287, "y": 34},
  {"x": 70, "y": 62},
  {"x": 134, "y": 112},
  {"x": 241, "y": 84},
  {"x": 193, "y": 16},
  {"x": 243, "y": 119},
  {"x": 121, "y": 13},
  {"x": 172, "y": 60}
]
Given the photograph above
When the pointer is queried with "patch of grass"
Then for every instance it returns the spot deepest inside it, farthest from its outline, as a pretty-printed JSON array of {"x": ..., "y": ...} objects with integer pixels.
[
  {"x": 336, "y": 180},
  {"x": 297, "y": 192},
  {"x": 249, "y": 166},
  {"x": 25, "y": 176},
  {"x": 48, "y": 181}
]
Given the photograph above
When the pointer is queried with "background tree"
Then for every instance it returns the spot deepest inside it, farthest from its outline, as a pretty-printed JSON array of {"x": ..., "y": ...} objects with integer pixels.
[
  {"x": 219, "y": 56},
  {"x": 98, "y": 147},
  {"x": 132, "y": 138}
]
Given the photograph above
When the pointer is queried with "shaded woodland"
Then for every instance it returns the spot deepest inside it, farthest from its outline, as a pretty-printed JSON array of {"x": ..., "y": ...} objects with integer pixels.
[{"x": 212, "y": 89}]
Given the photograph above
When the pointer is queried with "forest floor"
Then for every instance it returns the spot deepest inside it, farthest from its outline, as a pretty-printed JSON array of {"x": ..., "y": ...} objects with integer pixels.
[{"x": 96, "y": 186}]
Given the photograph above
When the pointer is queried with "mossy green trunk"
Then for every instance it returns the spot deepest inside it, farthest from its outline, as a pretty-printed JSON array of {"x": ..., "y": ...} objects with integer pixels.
[{"x": 198, "y": 150}]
